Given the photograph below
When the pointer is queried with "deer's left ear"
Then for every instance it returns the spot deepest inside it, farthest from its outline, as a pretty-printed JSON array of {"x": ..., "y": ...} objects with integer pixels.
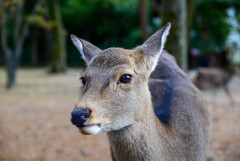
[
  {"x": 153, "y": 46},
  {"x": 87, "y": 50}
]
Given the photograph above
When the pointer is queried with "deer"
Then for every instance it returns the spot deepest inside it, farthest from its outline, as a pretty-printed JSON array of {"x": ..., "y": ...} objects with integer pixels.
[
  {"x": 215, "y": 78},
  {"x": 145, "y": 103}
]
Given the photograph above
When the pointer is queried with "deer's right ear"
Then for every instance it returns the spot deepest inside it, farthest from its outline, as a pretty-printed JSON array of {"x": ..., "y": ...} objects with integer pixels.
[
  {"x": 86, "y": 49},
  {"x": 151, "y": 49}
]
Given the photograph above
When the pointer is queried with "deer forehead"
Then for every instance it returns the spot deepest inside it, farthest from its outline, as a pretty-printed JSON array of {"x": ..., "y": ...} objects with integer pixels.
[
  {"x": 107, "y": 66},
  {"x": 110, "y": 58}
]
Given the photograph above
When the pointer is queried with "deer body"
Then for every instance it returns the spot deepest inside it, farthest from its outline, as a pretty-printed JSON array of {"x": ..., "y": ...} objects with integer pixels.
[
  {"x": 215, "y": 78},
  {"x": 161, "y": 117},
  {"x": 183, "y": 126}
]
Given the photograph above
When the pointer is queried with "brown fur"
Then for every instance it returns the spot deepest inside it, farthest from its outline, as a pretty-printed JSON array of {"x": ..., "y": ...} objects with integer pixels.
[
  {"x": 215, "y": 78},
  {"x": 129, "y": 112}
]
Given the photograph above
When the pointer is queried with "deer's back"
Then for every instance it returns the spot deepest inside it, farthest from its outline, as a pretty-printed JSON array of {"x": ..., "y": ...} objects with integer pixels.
[{"x": 180, "y": 106}]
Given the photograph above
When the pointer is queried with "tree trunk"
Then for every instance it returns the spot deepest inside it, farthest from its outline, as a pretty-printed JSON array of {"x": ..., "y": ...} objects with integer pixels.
[
  {"x": 11, "y": 67},
  {"x": 9, "y": 57},
  {"x": 175, "y": 11},
  {"x": 58, "y": 60},
  {"x": 143, "y": 19},
  {"x": 48, "y": 46},
  {"x": 192, "y": 61},
  {"x": 48, "y": 39},
  {"x": 21, "y": 29},
  {"x": 34, "y": 46},
  {"x": 191, "y": 12}
]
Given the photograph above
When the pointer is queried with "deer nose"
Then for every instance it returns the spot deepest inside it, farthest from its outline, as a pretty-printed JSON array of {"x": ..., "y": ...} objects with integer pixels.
[{"x": 80, "y": 116}]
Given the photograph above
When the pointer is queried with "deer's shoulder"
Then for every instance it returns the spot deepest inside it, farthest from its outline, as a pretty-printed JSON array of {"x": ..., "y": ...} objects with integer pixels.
[{"x": 169, "y": 86}]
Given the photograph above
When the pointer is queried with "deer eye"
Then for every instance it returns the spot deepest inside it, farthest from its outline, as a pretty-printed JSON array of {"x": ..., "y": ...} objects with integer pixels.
[
  {"x": 126, "y": 78},
  {"x": 83, "y": 80}
]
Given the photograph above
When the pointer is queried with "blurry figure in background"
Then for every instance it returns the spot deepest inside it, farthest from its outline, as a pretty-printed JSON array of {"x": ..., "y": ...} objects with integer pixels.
[
  {"x": 217, "y": 75},
  {"x": 215, "y": 78}
]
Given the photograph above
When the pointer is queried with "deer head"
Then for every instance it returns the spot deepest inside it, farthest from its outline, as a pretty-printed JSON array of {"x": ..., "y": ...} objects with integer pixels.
[{"x": 115, "y": 84}]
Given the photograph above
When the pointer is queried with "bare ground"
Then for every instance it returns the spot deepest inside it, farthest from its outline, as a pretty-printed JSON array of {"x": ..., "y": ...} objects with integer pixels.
[{"x": 35, "y": 121}]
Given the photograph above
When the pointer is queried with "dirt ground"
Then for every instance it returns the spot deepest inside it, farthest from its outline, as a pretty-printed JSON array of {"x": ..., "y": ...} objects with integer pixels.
[{"x": 35, "y": 121}]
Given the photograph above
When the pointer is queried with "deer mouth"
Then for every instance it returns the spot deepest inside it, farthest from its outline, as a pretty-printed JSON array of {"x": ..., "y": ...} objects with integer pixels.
[
  {"x": 89, "y": 129},
  {"x": 89, "y": 125}
]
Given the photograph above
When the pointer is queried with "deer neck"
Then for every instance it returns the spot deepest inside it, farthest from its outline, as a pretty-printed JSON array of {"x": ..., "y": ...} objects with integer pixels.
[{"x": 138, "y": 141}]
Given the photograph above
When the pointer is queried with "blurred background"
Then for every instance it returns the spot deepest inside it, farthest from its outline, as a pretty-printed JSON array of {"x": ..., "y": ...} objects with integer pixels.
[{"x": 39, "y": 68}]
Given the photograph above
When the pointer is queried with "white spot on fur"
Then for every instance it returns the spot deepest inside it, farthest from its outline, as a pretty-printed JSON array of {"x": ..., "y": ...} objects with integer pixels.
[
  {"x": 79, "y": 45},
  {"x": 163, "y": 41},
  {"x": 155, "y": 63},
  {"x": 164, "y": 37},
  {"x": 91, "y": 129}
]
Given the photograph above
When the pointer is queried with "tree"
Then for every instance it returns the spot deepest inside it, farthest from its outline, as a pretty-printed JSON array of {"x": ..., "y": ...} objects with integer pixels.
[
  {"x": 190, "y": 14},
  {"x": 143, "y": 19},
  {"x": 12, "y": 12},
  {"x": 175, "y": 11},
  {"x": 41, "y": 22},
  {"x": 55, "y": 25},
  {"x": 58, "y": 59}
]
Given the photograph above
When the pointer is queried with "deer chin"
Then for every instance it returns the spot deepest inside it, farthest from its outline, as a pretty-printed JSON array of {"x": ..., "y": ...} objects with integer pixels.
[{"x": 89, "y": 129}]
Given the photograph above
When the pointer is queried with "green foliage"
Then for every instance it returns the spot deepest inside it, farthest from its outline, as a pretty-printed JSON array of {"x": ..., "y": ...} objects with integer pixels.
[
  {"x": 211, "y": 28},
  {"x": 39, "y": 19},
  {"x": 9, "y": 7},
  {"x": 40, "y": 22},
  {"x": 104, "y": 23},
  {"x": 108, "y": 23}
]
